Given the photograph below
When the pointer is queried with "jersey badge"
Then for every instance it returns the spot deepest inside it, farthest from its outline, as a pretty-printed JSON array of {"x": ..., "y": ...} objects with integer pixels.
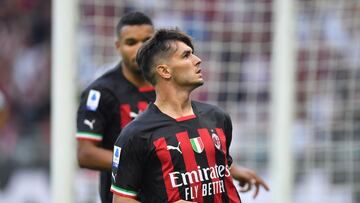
[
  {"x": 197, "y": 144},
  {"x": 113, "y": 177},
  {"x": 169, "y": 147},
  {"x": 90, "y": 123},
  {"x": 93, "y": 100},
  {"x": 133, "y": 114},
  {"x": 116, "y": 156},
  {"x": 216, "y": 139}
]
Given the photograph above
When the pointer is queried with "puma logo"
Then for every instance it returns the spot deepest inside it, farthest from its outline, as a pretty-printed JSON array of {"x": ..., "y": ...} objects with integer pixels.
[
  {"x": 169, "y": 147},
  {"x": 133, "y": 114},
  {"x": 113, "y": 176},
  {"x": 89, "y": 123}
]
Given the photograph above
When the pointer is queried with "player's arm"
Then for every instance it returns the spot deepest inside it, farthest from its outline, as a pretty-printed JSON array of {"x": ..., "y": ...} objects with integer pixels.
[
  {"x": 121, "y": 199},
  {"x": 91, "y": 124},
  {"x": 91, "y": 155},
  {"x": 248, "y": 179},
  {"x": 129, "y": 157}
]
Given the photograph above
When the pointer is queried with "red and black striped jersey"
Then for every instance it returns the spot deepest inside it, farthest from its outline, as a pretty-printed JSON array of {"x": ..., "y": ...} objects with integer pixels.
[
  {"x": 106, "y": 106},
  {"x": 161, "y": 159}
]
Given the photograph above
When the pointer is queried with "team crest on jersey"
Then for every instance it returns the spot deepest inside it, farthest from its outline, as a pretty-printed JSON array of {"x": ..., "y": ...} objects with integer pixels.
[
  {"x": 116, "y": 156},
  {"x": 93, "y": 100},
  {"x": 197, "y": 144},
  {"x": 216, "y": 140}
]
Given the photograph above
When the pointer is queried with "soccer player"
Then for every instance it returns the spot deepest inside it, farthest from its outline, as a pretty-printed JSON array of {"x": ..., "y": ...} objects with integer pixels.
[
  {"x": 177, "y": 149},
  {"x": 114, "y": 99}
]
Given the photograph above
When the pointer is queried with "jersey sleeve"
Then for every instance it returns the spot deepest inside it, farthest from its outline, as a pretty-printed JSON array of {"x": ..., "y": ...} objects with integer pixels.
[
  {"x": 92, "y": 114},
  {"x": 228, "y": 132},
  {"x": 128, "y": 162}
]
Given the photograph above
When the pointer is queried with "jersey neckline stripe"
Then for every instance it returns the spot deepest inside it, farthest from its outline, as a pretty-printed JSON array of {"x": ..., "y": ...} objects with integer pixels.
[
  {"x": 184, "y": 118},
  {"x": 146, "y": 89}
]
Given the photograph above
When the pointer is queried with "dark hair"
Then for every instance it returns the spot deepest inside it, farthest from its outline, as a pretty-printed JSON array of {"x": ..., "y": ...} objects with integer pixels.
[
  {"x": 160, "y": 45},
  {"x": 133, "y": 18}
]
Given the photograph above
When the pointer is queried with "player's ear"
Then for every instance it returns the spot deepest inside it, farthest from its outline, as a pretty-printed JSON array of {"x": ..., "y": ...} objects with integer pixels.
[
  {"x": 163, "y": 71},
  {"x": 117, "y": 44}
]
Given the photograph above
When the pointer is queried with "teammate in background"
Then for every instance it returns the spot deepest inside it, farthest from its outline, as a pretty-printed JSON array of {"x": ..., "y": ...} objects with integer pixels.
[
  {"x": 114, "y": 99},
  {"x": 177, "y": 149}
]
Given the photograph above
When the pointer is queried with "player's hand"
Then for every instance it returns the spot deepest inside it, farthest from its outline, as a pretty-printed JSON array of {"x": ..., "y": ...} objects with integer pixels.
[{"x": 248, "y": 179}]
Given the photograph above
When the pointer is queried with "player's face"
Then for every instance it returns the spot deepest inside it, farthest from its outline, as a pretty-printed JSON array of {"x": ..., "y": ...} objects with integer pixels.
[
  {"x": 185, "y": 66},
  {"x": 130, "y": 39}
]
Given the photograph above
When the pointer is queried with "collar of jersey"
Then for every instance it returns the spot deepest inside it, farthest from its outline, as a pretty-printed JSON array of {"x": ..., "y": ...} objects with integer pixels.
[{"x": 179, "y": 119}]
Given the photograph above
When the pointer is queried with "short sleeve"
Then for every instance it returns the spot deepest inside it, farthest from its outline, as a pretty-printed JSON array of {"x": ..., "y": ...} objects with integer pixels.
[
  {"x": 128, "y": 161},
  {"x": 92, "y": 114}
]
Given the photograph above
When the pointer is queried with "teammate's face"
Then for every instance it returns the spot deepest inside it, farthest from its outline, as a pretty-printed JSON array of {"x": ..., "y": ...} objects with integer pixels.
[
  {"x": 130, "y": 39},
  {"x": 185, "y": 66}
]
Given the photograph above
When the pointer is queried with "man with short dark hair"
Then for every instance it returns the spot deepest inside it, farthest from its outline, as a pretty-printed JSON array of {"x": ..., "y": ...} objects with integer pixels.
[
  {"x": 178, "y": 149},
  {"x": 117, "y": 97},
  {"x": 113, "y": 100}
]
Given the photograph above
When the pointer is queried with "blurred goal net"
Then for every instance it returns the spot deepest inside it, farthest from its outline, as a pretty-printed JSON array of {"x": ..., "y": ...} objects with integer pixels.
[{"x": 234, "y": 40}]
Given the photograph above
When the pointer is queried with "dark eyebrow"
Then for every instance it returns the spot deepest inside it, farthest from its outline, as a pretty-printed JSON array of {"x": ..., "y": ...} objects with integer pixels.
[{"x": 189, "y": 51}]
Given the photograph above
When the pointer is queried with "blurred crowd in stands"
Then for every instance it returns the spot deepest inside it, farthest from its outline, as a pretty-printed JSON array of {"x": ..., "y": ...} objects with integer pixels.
[{"x": 24, "y": 84}]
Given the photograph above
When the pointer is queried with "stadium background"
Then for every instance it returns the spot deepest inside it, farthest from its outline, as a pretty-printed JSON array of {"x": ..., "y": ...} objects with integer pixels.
[{"x": 234, "y": 38}]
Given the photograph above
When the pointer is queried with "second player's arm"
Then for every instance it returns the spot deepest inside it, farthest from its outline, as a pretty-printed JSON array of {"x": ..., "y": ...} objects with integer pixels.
[
  {"x": 121, "y": 199},
  {"x": 92, "y": 120},
  {"x": 248, "y": 179},
  {"x": 91, "y": 155},
  {"x": 245, "y": 176}
]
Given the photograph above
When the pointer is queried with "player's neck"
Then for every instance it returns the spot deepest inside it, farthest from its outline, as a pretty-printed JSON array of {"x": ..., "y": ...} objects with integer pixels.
[
  {"x": 173, "y": 103},
  {"x": 136, "y": 79}
]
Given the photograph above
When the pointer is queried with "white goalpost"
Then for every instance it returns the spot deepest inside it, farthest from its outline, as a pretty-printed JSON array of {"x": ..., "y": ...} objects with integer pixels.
[
  {"x": 283, "y": 100},
  {"x": 63, "y": 101}
]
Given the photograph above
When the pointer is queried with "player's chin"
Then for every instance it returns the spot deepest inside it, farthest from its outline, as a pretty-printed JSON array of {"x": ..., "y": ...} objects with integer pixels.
[{"x": 199, "y": 82}]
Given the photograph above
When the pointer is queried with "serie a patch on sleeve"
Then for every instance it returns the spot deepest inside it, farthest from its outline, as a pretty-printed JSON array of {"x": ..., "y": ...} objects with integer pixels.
[
  {"x": 116, "y": 156},
  {"x": 93, "y": 100}
]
